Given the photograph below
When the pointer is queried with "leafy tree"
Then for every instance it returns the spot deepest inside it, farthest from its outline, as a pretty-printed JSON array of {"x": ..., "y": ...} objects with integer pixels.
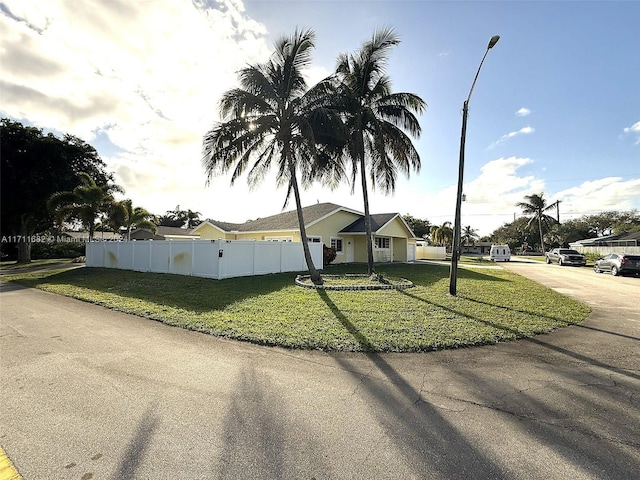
[
  {"x": 561, "y": 235},
  {"x": 515, "y": 233},
  {"x": 613, "y": 222},
  {"x": 587, "y": 226},
  {"x": 376, "y": 120},
  {"x": 34, "y": 166},
  {"x": 272, "y": 119},
  {"x": 534, "y": 206},
  {"x": 420, "y": 227},
  {"x": 85, "y": 203}
]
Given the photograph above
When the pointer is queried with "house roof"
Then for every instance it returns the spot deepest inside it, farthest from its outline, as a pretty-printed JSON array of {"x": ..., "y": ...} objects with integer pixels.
[
  {"x": 282, "y": 221},
  {"x": 161, "y": 233},
  {"x": 161, "y": 230},
  {"x": 378, "y": 222},
  {"x": 610, "y": 240}
]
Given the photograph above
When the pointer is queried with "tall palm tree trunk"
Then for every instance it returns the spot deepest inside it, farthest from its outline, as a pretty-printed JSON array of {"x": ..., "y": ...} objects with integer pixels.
[
  {"x": 540, "y": 228},
  {"x": 367, "y": 217},
  {"x": 313, "y": 272}
]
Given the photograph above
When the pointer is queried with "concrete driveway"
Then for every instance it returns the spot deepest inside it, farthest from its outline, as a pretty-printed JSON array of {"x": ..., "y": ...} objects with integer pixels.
[{"x": 92, "y": 393}]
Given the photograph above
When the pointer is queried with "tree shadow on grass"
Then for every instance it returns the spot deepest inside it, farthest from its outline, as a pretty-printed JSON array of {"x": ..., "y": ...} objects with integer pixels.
[
  {"x": 428, "y": 441},
  {"x": 178, "y": 291}
]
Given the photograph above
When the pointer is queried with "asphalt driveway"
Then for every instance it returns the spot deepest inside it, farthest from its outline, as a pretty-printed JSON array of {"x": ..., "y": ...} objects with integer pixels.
[{"x": 91, "y": 393}]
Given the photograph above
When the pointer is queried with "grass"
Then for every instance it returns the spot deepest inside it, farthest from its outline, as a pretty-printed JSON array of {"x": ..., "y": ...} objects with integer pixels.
[
  {"x": 493, "y": 305},
  {"x": 13, "y": 265}
]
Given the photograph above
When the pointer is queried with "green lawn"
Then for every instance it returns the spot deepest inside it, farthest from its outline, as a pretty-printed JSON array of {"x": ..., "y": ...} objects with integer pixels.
[
  {"x": 493, "y": 305},
  {"x": 13, "y": 265}
]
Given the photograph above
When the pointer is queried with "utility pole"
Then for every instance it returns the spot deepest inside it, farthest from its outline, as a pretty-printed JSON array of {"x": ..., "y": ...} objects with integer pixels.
[{"x": 557, "y": 205}]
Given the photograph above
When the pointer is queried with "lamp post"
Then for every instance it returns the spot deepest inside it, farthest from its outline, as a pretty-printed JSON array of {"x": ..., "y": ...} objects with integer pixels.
[{"x": 453, "y": 272}]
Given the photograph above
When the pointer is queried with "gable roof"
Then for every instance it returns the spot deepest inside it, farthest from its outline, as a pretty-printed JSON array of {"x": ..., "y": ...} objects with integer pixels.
[
  {"x": 282, "y": 221},
  {"x": 161, "y": 233},
  {"x": 378, "y": 222},
  {"x": 621, "y": 239},
  {"x": 161, "y": 230}
]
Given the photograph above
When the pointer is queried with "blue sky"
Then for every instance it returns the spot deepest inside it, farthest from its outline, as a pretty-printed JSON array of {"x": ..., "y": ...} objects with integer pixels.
[{"x": 556, "y": 108}]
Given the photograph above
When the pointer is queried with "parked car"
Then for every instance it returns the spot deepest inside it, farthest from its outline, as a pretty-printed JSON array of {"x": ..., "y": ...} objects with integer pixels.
[
  {"x": 566, "y": 256},
  {"x": 618, "y": 264}
]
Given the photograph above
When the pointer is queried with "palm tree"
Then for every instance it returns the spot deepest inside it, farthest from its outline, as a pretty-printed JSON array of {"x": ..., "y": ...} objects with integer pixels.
[
  {"x": 122, "y": 214},
  {"x": 84, "y": 203},
  {"x": 193, "y": 219},
  {"x": 469, "y": 235},
  {"x": 376, "y": 120},
  {"x": 273, "y": 119},
  {"x": 442, "y": 235},
  {"x": 535, "y": 206}
]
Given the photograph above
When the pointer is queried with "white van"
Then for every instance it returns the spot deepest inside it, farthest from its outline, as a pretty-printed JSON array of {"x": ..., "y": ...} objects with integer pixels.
[{"x": 500, "y": 253}]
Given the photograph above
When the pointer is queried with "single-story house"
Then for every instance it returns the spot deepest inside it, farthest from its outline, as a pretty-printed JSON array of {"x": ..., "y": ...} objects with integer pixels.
[
  {"x": 630, "y": 239},
  {"x": 480, "y": 248},
  {"x": 333, "y": 225}
]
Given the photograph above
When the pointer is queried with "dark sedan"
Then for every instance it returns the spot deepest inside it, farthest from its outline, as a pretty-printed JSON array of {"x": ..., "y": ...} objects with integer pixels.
[{"x": 618, "y": 264}]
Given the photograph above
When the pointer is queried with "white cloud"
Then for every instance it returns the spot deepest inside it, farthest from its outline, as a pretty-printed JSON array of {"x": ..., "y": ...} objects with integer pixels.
[
  {"x": 492, "y": 196},
  {"x": 523, "y": 131},
  {"x": 523, "y": 112},
  {"x": 605, "y": 194},
  {"x": 147, "y": 74},
  {"x": 634, "y": 130},
  {"x": 150, "y": 74}
]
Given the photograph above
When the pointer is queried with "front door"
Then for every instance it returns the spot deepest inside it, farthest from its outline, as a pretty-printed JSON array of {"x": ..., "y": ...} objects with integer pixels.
[{"x": 350, "y": 251}]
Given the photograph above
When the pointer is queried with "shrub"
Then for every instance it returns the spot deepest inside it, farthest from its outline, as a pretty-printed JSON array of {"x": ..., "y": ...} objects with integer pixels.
[
  {"x": 57, "y": 250},
  {"x": 328, "y": 255}
]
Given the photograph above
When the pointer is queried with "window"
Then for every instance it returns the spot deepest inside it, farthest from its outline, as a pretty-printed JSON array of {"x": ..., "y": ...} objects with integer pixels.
[
  {"x": 279, "y": 239},
  {"x": 382, "y": 242},
  {"x": 336, "y": 243},
  {"x": 314, "y": 239}
]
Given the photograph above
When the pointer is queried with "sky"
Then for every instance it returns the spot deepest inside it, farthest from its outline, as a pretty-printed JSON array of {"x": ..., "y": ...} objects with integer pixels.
[{"x": 555, "y": 110}]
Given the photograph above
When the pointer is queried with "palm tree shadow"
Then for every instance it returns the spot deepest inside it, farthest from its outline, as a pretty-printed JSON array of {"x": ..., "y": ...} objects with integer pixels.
[
  {"x": 135, "y": 452},
  {"x": 416, "y": 425},
  {"x": 362, "y": 340},
  {"x": 535, "y": 340}
]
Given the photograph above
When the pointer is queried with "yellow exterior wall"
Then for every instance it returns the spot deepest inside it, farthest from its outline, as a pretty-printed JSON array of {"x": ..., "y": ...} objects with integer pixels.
[
  {"x": 329, "y": 226},
  {"x": 399, "y": 249},
  {"x": 395, "y": 229},
  {"x": 361, "y": 248},
  {"x": 261, "y": 236},
  {"x": 209, "y": 232}
]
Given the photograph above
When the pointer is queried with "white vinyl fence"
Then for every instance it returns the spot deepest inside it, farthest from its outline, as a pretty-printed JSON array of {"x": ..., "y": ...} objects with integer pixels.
[
  {"x": 425, "y": 252},
  {"x": 203, "y": 258},
  {"x": 602, "y": 251}
]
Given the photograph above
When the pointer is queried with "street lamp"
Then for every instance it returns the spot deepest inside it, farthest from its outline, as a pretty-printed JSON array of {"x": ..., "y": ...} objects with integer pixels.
[{"x": 453, "y": 272}]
